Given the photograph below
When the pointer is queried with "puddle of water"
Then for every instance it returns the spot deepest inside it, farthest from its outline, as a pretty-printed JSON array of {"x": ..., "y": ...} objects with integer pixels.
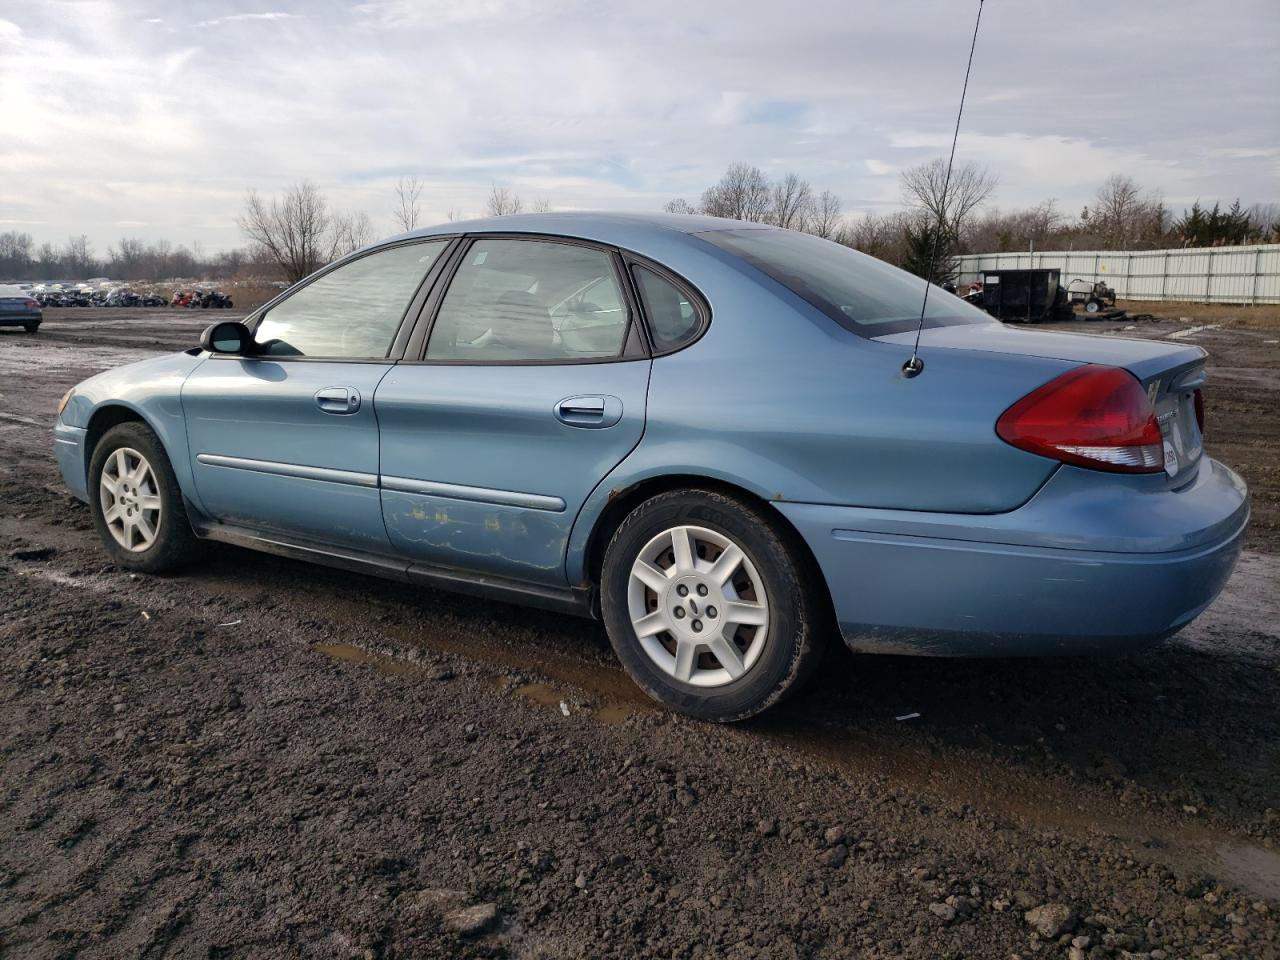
[
  {"x": 349, "y": 654},
  {"x": 607, "y": 682},
  {"x": 613, "y": 713},
  {"x": 1253, "y": 868},
  {"x": 608, "y": 713},
  {"x": 540, "y": 693}
]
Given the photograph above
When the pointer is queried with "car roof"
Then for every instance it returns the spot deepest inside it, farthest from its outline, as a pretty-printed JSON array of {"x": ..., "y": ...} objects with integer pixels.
[{"x": 630, "y": 230}]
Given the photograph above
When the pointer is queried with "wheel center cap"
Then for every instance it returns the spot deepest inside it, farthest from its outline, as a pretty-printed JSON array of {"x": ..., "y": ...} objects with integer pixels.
[{"x": 692, "y": 603}]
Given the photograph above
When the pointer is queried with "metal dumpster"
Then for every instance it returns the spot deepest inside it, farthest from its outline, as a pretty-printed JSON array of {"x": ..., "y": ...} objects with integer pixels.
[{"x": 1024, "y": 296}]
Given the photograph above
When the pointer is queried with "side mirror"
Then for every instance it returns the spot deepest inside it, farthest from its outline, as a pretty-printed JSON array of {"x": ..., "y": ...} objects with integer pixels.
[{"x": 229, "y": 336}]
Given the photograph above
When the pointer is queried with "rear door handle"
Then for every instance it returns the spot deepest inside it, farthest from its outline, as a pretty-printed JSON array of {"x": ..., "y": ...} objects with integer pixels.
[
  {"x": 591, "y": 411},
  {"x": 339, "y": 400}
]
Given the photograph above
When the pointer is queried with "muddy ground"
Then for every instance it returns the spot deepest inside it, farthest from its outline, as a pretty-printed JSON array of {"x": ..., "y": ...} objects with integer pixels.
[{"x": 262, "y": 758}]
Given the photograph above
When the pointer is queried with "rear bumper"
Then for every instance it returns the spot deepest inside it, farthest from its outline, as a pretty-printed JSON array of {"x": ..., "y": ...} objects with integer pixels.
[
  {"x": 19, "y": 320},
  {"x": 68, "y": 448},
  {"x": 1082, "y": 567}
]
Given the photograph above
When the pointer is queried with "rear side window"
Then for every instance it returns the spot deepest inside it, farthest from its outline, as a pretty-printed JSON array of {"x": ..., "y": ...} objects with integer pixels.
[
  {"x": 523, "y": 300},
  {"x": 353, "y": 311},
  {"x": 673, "y": 318},
  {"x": 861, "y": 293}
]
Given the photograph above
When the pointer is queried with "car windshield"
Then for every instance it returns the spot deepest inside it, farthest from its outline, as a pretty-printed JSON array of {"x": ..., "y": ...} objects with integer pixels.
[{"x": 861, "y": 293}]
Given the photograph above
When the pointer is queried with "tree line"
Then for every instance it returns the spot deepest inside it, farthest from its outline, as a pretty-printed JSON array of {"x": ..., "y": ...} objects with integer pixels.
[
  {"x": 294, "y": 234},
  {"x": 129, "y": 259},
  {"x": 941, "y": 218}
]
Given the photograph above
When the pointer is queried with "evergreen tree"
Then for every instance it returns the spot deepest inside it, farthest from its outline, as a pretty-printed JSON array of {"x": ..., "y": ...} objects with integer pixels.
[{"x": 920, "y": 249}]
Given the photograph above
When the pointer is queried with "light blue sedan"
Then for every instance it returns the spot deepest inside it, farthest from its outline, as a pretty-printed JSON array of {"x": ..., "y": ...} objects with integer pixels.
[{"x": 699, "y": 430}]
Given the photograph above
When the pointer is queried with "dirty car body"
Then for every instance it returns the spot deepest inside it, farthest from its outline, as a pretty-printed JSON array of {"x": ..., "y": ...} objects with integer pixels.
[{"x": 499, "y": 457}]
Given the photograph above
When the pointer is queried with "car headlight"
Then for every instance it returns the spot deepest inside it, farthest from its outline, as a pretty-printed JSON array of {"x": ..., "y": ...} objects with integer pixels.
[{"x": 66, "y": 398}]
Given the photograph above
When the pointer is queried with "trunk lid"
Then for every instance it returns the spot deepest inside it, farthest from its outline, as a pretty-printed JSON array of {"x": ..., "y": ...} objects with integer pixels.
[
  {"x": 1169, "y": 372},
  {"x": 11, "y": 306}
]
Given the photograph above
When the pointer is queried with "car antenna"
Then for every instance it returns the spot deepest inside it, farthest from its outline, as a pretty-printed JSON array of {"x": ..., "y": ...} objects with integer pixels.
[{"x": 914, "y": 365}]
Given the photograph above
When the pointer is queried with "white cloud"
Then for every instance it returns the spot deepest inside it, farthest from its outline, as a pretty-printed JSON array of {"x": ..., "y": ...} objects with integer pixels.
[
  {"x": 596, "y": 105},
  {"x": 242, "y": 18}
]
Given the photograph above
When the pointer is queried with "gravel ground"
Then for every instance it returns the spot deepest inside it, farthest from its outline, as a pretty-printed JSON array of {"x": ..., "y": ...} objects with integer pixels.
[{"x": 262, "y": 758}]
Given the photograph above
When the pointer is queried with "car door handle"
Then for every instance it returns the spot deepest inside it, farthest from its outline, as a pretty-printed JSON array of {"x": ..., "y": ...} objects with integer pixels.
[
  {"x": 591, "y": 411},
  {"x": 339, "y": 400}
]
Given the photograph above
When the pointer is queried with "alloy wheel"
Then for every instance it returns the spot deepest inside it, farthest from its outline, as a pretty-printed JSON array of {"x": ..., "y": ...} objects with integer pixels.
[
  {"x": 130, "y": 499},
  {"x": 698, "y": 606}
]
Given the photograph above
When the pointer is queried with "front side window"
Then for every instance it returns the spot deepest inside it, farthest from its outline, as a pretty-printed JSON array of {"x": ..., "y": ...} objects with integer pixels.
[
  {"x": 861, "y": 293},
  {"x": 673, "y": 319},
  {"x": 351, "y": 312},
  {"x": 515, "y": 300}
]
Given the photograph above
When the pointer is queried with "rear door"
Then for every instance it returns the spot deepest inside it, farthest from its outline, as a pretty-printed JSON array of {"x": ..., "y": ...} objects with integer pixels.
[
  {"x": 286, "y": 441},
  {"x": 530, "y": 389}
]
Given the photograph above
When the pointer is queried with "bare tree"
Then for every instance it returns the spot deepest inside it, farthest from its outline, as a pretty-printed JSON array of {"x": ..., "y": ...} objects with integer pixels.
[
  {"x": 1266, "y": 219},
  {"x": 16, "y": 253},
  {"x": 503, "y": 202},
  {"x": 1122, "y": 217},
  {"x": 453, "y": 214},
  {"x": 824, "y": 219},
  {"x": 742, "y": 194},
  {"x": 884, "y": 236},
  {"x": 541, "y": 205},
  {"x": 291, "y": 232},
  {"x": 679, "y": 205},
  {"x": 1032, "y": 228},
  {"x": 792, "y": 202},
  {"x": 407, "y": 210},
  {"x": 46, "y": 259},
  {"x": 926, "y": 188},
  {"x": 78, "y": 255},
  {"x": 348, "y": 232}
]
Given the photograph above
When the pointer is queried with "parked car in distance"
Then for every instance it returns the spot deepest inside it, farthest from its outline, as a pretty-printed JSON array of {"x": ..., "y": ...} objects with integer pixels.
[
  {"x": 19, "y": 309},
  {"x": 699, "y": 430}
]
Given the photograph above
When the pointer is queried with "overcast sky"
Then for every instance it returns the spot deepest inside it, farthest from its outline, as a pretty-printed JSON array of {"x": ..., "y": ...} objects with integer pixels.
[{"x": 152, "y": 118}]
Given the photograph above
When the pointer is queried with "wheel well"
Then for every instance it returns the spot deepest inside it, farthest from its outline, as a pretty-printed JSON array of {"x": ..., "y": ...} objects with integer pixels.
[
  {"x": 103, "y": 419},
  {"x": 626, "y": 500}
]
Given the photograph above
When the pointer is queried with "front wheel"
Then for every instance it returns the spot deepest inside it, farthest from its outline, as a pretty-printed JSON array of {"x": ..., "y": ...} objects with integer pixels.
[
  {"x": 136, "y": 503},
  {"x": 711, "y": 605}
]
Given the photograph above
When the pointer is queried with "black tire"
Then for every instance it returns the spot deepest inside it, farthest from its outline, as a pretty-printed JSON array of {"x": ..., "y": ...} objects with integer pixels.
[
  {"x": 798, "y": 606},
  {"x": 175, "y": 544},
  {"x": 31, "y": 327}
]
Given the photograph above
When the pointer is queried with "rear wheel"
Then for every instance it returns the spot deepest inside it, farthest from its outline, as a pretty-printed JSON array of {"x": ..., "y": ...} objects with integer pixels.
[
  {"x": 31, "y": 327},
  {"x": 709, "y": 604},
  {"x": 137, "y": 507}
]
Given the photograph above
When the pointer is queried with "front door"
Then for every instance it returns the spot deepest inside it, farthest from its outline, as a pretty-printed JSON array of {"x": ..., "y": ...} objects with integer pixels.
[
  {"x": 532, "y": 389},
  {"x": 286, "y": 441}
]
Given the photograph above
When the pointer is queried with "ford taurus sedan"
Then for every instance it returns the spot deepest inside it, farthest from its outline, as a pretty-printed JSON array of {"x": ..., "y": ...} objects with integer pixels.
[{"x": 701, "y": 431}]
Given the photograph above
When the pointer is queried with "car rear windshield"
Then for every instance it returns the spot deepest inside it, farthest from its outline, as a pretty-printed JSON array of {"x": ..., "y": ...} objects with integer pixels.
[{"x": 861, "y": 293}]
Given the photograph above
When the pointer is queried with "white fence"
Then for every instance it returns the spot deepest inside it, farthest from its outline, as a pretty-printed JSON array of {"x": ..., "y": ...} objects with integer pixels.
[{"x": 1199, "y": 275}]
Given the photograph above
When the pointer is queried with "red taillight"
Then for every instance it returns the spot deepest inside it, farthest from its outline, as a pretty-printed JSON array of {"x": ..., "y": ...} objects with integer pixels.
[
  {"x": 1094, "y": 416},
  {"x": 32, "y": 305},
  {"x": 1200, "y": 411}
]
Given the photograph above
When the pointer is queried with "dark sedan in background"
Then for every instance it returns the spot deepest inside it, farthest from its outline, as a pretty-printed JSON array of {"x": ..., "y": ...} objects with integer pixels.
[{"x": 18, "y": 309}]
